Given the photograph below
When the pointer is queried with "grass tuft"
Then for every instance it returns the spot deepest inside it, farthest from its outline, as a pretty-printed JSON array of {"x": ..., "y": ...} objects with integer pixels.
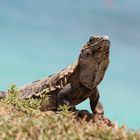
[{"x": 28, "y": 106}]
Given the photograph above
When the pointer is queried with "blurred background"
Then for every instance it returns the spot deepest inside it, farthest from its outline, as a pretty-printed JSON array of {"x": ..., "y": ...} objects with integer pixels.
[{"x": 38, "y": 38}]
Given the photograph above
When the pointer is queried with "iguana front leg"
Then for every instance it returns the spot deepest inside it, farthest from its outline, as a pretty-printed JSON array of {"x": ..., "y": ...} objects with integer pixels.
[
  {"x": 70, "y": 96},
  {"x": 100, "y": 73},
  {"x": 95, "y": 104},
  {"x": 63, "y": 97}
]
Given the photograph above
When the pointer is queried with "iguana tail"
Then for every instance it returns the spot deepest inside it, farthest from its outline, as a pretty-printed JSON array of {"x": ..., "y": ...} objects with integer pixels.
[{"x": 3, "y": 94}]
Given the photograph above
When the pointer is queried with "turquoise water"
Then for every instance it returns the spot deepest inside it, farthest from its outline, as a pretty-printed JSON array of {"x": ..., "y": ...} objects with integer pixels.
[{"x": 38, "y": 38}]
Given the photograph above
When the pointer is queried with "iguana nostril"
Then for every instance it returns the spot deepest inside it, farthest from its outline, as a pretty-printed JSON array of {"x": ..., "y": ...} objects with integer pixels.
[{"x": 106, "y": 43}]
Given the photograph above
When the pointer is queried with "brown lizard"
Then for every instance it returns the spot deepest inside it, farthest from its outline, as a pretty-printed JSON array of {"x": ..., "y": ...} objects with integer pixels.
[{"x": 77, "y": 82}]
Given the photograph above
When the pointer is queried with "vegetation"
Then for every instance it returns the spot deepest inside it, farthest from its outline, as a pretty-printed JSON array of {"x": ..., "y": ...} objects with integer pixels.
[{"x": 22, "y": 120}]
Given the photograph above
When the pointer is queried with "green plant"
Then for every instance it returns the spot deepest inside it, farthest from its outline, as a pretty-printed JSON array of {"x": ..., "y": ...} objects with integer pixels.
[{"x": 27, "y": 106}]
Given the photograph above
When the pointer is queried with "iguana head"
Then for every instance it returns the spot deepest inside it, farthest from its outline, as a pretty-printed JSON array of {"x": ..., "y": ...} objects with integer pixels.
[
  {"x": 94, "y": 60},
  {"x": 96, "y": 44}
]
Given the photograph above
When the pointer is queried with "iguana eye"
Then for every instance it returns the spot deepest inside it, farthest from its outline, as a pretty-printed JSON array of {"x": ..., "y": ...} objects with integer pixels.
[{"x": 91, "y": 40}]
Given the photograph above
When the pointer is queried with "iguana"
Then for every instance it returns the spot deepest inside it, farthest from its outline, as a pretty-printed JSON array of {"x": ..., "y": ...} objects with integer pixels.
[{"x": 77, "y": 82}]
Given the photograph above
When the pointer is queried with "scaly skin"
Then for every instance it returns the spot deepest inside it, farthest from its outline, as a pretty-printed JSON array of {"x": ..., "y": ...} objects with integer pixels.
[{"x": 77, "y": 82}]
